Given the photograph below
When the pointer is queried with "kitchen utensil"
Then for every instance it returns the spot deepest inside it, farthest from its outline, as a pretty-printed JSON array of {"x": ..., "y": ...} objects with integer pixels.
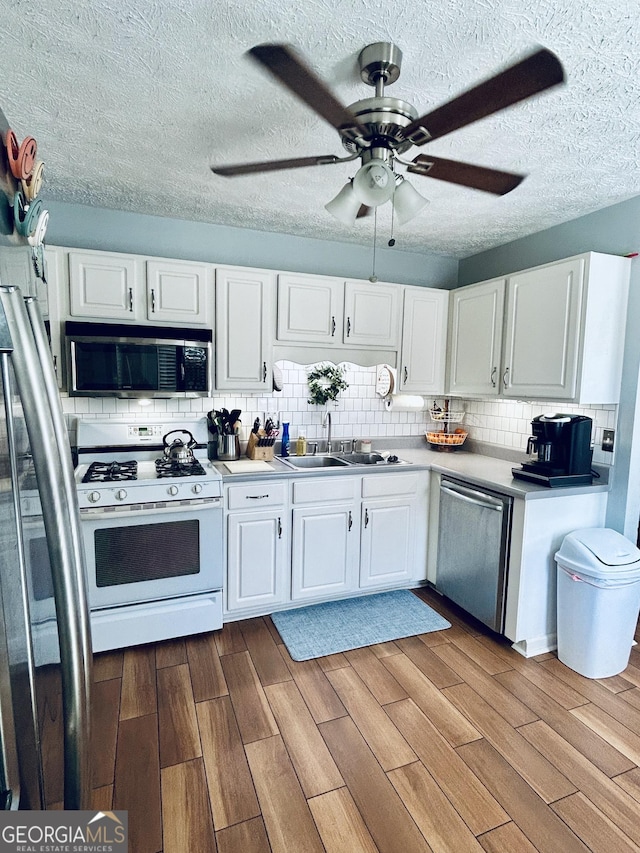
[
  {"x": 178, "y": 451},
  {"x": 256, "y": 426}
]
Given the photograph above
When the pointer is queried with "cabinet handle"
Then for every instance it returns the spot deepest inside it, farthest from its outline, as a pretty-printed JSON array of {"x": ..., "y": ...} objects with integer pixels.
[
  {"x": 131, "y": 299},
  {"x": 350, "y": 521},
  {"x": 493, "y": 377},
  {"x": 279, "y": 528},
  {"x": 55, "y": 365},
  {"x": 256, "y": 497},
  {"x": 264, "y": 371},
  {"x": 366, "y": 517},
  {"x": 153, "y": 301},
  {"x": 348, "y": 326},
  {"x": 333, "y": 326},
  {"x": 505, "y": 377},
  {"x": 405, "y": 375}
]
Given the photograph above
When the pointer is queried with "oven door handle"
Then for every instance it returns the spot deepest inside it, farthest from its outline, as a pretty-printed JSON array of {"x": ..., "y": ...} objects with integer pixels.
[
  {"x": 94, "y": 513},
  {"x": 33, "y": 369}
]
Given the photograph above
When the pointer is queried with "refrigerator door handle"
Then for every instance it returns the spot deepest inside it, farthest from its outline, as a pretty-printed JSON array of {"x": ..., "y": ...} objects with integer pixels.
[{"x": 35, "y": 378}]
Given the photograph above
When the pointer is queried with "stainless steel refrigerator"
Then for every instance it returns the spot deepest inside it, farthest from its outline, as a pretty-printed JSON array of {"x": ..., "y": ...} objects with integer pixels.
[{"x": 45, "y": 645}]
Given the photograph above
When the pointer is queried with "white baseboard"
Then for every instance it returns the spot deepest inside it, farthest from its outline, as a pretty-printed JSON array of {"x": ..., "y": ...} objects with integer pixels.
[{"x": 536, "y": 645}]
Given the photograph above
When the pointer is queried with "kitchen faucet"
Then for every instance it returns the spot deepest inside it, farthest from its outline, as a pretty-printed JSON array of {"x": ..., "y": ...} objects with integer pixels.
[{"x": 327, "y": 423}]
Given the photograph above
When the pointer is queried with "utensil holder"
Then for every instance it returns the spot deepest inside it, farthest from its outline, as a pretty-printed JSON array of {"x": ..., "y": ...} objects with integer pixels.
[{"x": 228, "y": 447}]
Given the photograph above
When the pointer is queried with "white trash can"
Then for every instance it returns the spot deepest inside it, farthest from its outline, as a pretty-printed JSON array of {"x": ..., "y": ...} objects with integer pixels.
[{"x": 598, "y": 601}]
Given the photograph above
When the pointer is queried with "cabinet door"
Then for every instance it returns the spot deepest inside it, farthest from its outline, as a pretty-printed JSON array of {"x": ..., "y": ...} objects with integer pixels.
[
  {"x": 310, "y": 309},
  {"x": 324, "y": 551},
  {"x": 386, "y": 548},
  {"x": 257, "y": 556},
  {"x": 178, "y": 292},
  {"x": 475, "y": 339},
  {"x": 424, "y": 341},
  {"x": 104, "y": 285},
  {"x": 371, "y": 314},
  {"x": 542, "y": 330},
  {"x": 244, "y": 323}
]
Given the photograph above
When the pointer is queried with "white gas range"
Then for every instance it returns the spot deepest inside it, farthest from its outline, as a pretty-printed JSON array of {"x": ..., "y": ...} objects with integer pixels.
[{"x": 152, "y": 529}]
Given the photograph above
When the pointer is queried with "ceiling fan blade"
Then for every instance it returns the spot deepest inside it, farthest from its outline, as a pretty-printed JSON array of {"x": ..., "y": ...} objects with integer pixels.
[
  {"x": 532, "y": 75},
  {"x": 287, "y": 67},
  {"x": 466, "y": 174},
  {"x": 274, "y": 165}
]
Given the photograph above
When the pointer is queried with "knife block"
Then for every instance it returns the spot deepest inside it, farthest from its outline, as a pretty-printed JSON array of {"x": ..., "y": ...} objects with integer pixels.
[{"x": 255, "y": 452}]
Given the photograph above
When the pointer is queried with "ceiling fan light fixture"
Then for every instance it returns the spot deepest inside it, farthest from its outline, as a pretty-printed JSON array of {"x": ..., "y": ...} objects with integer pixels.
[
  {"x": 345, "y": 205},
  {"x": 374, "y": 183},
  {"x": 407, "y": 201}
]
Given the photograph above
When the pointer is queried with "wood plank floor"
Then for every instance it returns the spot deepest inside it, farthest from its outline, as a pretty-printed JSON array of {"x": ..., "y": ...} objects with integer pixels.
[{"x": 449, "y": 742}]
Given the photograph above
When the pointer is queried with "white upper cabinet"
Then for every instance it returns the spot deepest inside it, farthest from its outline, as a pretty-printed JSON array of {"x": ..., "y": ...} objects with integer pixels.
[
  {"x": 105, "y": 285},
  {"x": 325, "y": 311},
  {"x": 245, "y": 318},
  {"x": 542, "y": 332},
  {"x": 371, "y": 313},
  {"x": 424, "y": 341},
  {"x": 562, "y": 337},
  {"x": 475, "y": 338},
  {"x": 310, "y": 308},
  {"x": 113, "y": 286},
  {"x": 178, "y": 292}
]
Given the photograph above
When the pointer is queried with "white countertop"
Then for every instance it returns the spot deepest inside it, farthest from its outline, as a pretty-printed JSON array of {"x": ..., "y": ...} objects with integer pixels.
[{"x": 481, "y": 470}]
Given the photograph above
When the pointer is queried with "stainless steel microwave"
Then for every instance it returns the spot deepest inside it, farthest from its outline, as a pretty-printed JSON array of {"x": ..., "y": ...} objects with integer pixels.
[{"x": 113, "y": 360}]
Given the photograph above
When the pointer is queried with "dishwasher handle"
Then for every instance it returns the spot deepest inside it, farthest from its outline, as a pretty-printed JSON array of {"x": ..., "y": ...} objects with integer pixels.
[{"x": 472, "y": 496}]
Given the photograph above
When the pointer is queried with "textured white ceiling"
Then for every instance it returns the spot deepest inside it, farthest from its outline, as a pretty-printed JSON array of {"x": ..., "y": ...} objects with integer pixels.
[{"x": 131, "y": 102}]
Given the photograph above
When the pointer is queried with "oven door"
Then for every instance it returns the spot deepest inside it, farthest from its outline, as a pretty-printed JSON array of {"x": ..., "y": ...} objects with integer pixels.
[{"x": 150, "y": 553}]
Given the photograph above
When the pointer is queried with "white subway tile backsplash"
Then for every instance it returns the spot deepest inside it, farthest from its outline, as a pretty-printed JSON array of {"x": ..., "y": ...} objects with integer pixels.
[{"x": 359, "y": 411}]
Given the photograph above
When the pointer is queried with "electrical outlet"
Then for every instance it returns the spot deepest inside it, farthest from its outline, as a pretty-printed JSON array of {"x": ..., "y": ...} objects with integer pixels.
[
  {"x": 274, "y": 416},
  {"x": 608, "y": 437}
]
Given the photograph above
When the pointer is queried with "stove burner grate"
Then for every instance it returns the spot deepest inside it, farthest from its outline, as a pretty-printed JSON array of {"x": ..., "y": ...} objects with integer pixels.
[
  {"x": 110, "y": 472},
  {"x": 172, "y": 468}
]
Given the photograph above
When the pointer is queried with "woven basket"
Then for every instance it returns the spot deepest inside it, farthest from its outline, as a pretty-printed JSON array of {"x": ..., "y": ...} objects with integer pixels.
[{"x": 452, "y": 439}]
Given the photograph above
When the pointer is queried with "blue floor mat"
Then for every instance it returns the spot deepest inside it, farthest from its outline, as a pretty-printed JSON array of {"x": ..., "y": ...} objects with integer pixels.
[{"x": 336, "y": 626}]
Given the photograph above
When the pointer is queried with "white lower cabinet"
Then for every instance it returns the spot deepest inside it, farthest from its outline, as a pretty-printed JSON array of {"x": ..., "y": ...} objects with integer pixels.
[
  {"x": 257, "y": 546},
  {"x": 324, "y": 557},
  {"x": 324, "y": 537},
  {"x": 388, "y": 544},
  {"x": 325, "y": 545}
]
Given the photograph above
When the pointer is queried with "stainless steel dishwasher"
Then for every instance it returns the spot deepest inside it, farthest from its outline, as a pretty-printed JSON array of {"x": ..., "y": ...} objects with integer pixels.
[{"x": 473, "y": 545}]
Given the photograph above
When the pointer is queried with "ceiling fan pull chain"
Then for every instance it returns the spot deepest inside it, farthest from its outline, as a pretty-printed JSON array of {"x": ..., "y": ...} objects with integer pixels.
[{"x": 373, "y": 277}]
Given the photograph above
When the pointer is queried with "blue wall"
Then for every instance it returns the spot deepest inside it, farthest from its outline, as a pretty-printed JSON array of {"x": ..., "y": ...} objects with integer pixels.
[
  {"x": 614, "y": 230},
  {"x": 85, "y": 227}
]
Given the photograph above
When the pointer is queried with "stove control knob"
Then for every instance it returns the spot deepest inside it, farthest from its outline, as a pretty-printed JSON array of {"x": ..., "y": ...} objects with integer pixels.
[
  {"x": 196, "y": 489},
  {"x": 172, "y": 490},
  {"x": 121, "y": 495},
  {"x": 94, "y": 497}
]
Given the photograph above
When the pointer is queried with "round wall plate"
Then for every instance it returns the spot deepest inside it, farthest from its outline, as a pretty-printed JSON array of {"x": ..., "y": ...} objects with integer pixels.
[{"x": 384, "y": 381}]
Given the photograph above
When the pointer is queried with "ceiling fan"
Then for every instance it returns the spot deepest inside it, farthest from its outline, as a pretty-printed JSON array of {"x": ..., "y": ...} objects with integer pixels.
[{"x": 380, "y": 129}]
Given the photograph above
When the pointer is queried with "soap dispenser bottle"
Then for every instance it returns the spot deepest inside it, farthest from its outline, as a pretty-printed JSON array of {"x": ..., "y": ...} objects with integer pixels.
[{"x": 284, "y": 447}]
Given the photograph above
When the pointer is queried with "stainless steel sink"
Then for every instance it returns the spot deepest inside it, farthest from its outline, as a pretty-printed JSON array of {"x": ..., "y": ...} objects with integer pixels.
[
  {"x": 316, "y": 462},
  {"x": 362, "y": 458}
]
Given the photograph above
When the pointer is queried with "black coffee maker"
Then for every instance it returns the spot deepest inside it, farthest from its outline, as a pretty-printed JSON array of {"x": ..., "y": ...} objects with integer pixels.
[{"x": 561, "y": 446}]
